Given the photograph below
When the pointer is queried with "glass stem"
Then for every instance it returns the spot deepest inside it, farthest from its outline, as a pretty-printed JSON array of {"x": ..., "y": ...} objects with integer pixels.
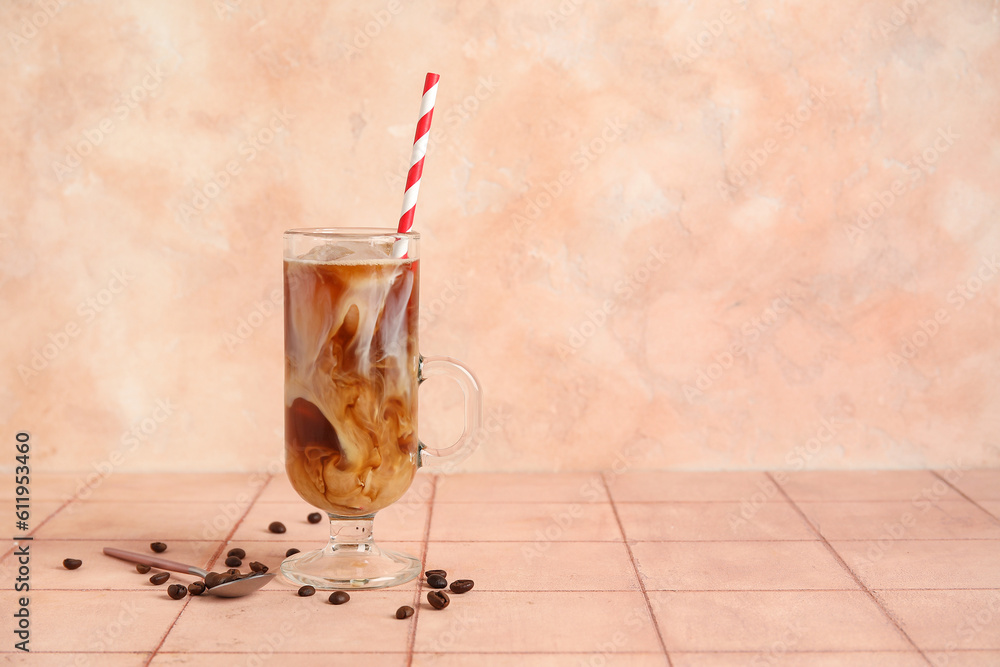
[{"x": 347, "y": 532}]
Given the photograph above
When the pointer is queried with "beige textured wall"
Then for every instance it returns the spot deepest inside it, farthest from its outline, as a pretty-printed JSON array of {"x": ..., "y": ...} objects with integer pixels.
[{"x": 665, "y": 234}]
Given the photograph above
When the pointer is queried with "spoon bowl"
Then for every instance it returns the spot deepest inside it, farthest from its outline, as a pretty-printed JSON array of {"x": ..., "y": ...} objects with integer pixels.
[{"x": 241, "y": 587}]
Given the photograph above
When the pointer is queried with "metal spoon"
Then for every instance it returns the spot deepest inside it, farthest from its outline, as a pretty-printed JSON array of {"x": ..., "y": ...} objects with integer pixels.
[{"x": 230, "y": 589}]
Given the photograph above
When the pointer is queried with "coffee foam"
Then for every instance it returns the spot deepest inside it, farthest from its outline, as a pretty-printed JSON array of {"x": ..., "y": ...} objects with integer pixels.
[
  {"x": 351, "y": 262},
  {"x": 349, "y": 252}
]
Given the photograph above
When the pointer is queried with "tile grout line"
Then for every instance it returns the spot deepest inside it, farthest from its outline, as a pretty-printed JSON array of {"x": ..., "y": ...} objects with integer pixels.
[
  {"x": 211, "y": 562},
  {"x": 239, "y": 522},
  {"x": 585, "y": 590},
  {"x": 635, "y": 569},
  {"x": 535, "y": 503},
  {"x": 801, "y": 540},
  {"x": 964, "y": 495},
  {"x": 66, "y": 503},
  {"x": 412, "y": 639},
  {"x": 713, "y": 652},
  {"x": 843, "y": 563}
]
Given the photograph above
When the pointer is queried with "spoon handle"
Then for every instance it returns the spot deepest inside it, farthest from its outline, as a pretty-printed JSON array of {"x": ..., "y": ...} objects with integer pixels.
[{"x": 154, "y": 561}]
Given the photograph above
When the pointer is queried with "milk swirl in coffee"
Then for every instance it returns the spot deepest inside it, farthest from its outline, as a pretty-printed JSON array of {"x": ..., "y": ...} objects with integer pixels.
[{"x": 350, "y": 377}]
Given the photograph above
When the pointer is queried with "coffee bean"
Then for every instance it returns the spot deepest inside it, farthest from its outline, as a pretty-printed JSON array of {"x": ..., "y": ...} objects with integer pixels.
[
  {"x": 291, "y": 552},
  {"x": 438, "y": 599},
  {"x": 159, "y": 578},
  {"x": 437, "y": 581},
  {"x": 258, "y": 567},
  {"x": 72, "y": 563},
  {"x": 232, "y": 570},
  {"x": 306, "y": 591},
  {"x": 315, "y": 517},
  {"x": 239, "y": 553},
  {"x": 440, "y": 573},
  {"x": 158, "y": 547},
  {"x": 213, "y": 579},
  {"x": 462, "y": 585},
  {"x": 177, "y": 591},
  {"x": 404, "y": 612},
  {"x": 142, "y": 569},
  {"x": 233, "y": 561},
  {"x": 276, "y": 527},
  {"x": 339, "y": 597},
  {"x": 196, "y": 587}
]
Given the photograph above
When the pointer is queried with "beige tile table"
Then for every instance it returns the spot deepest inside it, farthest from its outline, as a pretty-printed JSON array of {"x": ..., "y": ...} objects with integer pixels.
[{"x": 698, "y": 569}]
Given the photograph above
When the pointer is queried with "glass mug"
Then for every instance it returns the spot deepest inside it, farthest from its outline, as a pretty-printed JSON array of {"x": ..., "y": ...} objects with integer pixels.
[{"x": 352, "y": 369}]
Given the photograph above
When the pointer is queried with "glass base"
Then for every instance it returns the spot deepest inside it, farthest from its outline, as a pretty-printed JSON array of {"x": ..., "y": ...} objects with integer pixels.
[{"x": 343, "y": 566}]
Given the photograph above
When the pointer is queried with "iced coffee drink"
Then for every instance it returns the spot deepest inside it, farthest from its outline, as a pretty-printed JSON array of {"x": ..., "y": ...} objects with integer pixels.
[
  {"x": 351, "y": 376},
  {"x": 351, "y": 368}
]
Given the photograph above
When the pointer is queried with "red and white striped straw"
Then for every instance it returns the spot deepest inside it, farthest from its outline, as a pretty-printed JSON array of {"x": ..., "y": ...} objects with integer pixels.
[{"x": 420, "y": 139}]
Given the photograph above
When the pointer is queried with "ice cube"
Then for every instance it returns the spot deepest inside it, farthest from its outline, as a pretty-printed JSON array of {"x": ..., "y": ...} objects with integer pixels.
[
  {"x": 363, "y": 250},
  {"x": 327, "y": 253},
  {"x": 353, "y": 251}
]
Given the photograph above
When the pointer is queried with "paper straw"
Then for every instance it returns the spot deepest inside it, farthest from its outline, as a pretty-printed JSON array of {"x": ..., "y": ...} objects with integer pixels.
[{"x": 420, "y": 139}]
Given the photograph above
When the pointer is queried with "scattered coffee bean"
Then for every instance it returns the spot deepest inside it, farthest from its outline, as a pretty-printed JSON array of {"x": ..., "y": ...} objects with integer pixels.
[
  {"x": 158, "y": 547},
  {"x": 404, "y": 612},
  {"x": 438, "y": 599},
  {"x": 213, "y": 579},
  {"x": 306, "y": 591},
  {"x": 159, "y": 578},
  {"x": 239, "y": 553},
  {"x": 142, "y": 569},
  {"x": 440, "y": 573},
  {"x": 258, "y": 567},
  {"x": 291, "y": 552},
  {"x": 462, "y": 585},
  {"x": 339, "y": 597},
  {"x": 276, "y": 527},
  {"x": 315, "y": 517},
  {"x": 177, "y": 591},
  {"x": 437, "y": 581},
  {"x": 197, "y": 587},
  {"x": 233, "y": 561},
  {"x": 72, "y": 563}
]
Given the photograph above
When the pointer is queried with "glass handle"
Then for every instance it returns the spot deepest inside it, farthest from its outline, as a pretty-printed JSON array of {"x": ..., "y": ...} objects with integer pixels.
[{"x": 467, "y": 442}]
